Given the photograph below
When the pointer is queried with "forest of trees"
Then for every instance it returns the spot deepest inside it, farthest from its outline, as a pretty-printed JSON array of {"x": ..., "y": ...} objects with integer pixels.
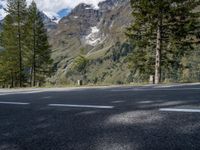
[
  {"x": 166, "y": 34},
  {"x": 25, "y": 59}
]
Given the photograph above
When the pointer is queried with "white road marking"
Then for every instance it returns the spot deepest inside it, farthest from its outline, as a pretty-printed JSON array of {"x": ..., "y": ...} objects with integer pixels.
[
  {"x": 47, "y": 97},
  {"x": 155, "y": 89},
  {"x": 176, "y": 89},
  {"x": 180, "y": 110},
  {"x": 145, "y": 102},
  {"x": 81, "y": 106},
  {"x": 14, "y": 103},
  {"x": 116, "y": 102},
  {"x": 19, "y": 93}
]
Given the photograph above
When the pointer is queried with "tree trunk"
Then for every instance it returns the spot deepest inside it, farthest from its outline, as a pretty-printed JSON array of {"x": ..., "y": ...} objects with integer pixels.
[
  {"x": 19, "y": 47},
  {"x": 12, "y": 79},
  {"x": 31, "y": 75},
  {"x": 158, "y": 53},
  {"x": 34, "y": 57}
]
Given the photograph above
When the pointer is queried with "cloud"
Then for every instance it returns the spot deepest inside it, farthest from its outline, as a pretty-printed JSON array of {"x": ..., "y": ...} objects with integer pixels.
[{"x": 53, "y": 6}]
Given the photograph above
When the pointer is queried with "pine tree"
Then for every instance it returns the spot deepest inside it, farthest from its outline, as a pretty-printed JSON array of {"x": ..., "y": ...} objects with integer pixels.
[
  {"x": 17, "y": 11},
  {"x": 37, "y": 43},
  {"x": 9, "y": 59},
  {"x": 168, "y": 26}
]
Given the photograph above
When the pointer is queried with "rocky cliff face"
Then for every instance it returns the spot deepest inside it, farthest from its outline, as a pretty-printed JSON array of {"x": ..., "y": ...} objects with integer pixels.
[{"x": 96, "y": 33}]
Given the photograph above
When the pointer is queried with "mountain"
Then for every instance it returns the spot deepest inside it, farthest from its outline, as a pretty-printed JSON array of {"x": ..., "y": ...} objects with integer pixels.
[
  {"x": 50, "y": 22},
  {"x": 99, "y": 35}
]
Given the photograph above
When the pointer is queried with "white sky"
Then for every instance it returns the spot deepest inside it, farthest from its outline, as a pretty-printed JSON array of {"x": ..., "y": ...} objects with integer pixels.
[
  {"x": 56, "y": 5},
  {"x": 51, "y": 7}
]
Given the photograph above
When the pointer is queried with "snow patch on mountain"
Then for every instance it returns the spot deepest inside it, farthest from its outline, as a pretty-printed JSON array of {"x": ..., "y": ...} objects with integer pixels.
[{"x": 94, "y": 37}]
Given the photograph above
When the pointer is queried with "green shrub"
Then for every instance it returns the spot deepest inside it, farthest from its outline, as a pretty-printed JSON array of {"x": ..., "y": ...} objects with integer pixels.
[{"x": 80, "y": 64}]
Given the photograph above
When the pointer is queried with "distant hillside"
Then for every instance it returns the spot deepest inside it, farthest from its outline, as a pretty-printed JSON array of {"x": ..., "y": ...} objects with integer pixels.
[{"x": 99, "y": 35}]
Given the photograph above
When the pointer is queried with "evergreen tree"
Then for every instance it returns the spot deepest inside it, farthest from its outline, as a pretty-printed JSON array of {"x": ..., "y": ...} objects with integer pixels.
[
  {"x": 37, "y": 43},
  {"x": 9, "y": 59},
  {"x": 168, "y": 26},
  {"x": 17, "y": 12}
]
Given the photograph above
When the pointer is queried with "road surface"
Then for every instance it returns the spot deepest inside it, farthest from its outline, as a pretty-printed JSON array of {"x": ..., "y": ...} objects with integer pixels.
[{"x": 107, "y": 118}]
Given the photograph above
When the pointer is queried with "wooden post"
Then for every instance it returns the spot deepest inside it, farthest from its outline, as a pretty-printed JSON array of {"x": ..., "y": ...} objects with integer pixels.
[
  {"x": 151, "y": 79},
  {"x": 80, "y": 82}
]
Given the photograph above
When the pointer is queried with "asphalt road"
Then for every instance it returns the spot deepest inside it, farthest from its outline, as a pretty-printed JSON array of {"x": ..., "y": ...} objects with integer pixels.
[{"x": 115, "y": 118}]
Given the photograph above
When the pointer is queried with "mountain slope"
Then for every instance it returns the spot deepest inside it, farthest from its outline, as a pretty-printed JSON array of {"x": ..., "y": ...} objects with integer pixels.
[{"x": 99, "y": 35}]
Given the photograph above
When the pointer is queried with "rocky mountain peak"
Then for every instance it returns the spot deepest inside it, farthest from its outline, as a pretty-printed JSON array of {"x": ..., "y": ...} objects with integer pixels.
[
  {"x": 111, "y": 4},
  {"x": 84, "y": 14}
]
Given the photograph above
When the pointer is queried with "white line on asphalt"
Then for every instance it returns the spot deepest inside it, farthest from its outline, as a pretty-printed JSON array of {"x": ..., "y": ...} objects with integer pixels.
[
  {"x": 154, "y": 89},
  {"x": 81, "y": 106},
  {"x": 116, "y": 102},
  {"x": 180, "y": 110},
  {"x": 176, "y": 89},
  {"x": 14, "y": 103}
]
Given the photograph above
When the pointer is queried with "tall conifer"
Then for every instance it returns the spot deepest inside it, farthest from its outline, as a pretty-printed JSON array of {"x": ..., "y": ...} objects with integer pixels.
[
  {"x": 39, "y": 49},
  {"x": 17, "y": 11},
  {"x": 166, "y": 27}
]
